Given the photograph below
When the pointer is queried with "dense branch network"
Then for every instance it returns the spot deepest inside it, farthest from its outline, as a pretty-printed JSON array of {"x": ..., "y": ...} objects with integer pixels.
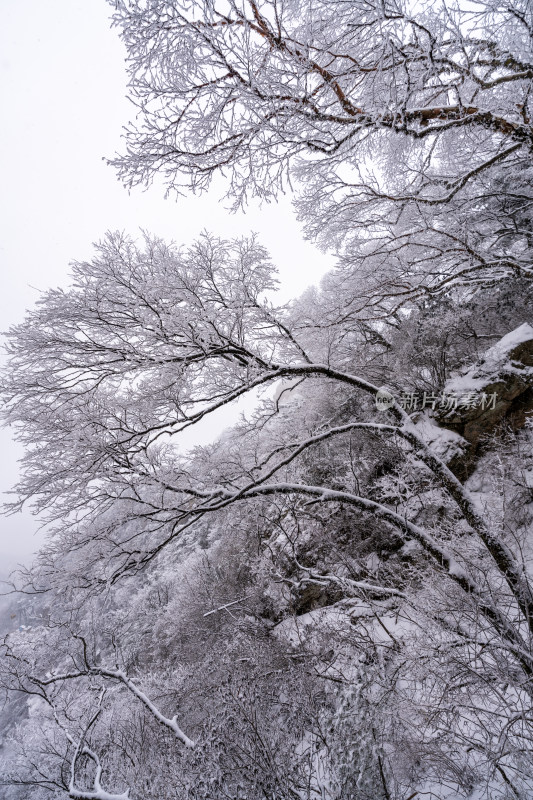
[
  {"x": 407, "y": 129},
  {"x": 396, "y": 124},
  {"x": 150, "y": 343},
  {"x": 288, "y": 77}
]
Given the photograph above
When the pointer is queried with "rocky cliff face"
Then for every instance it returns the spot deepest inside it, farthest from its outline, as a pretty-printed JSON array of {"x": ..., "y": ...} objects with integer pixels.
[{"x": 497, "y": 390}]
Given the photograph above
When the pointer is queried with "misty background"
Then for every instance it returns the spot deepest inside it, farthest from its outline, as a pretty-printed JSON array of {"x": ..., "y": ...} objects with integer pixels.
[{"x": 63, "y": 90}]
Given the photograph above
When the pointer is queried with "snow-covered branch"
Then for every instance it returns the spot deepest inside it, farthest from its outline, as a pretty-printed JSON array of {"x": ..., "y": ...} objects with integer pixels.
[{"x": 125, "y": 680}]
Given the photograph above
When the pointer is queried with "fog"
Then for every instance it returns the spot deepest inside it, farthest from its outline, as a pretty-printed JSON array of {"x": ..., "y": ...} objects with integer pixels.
[{"x": 63, "y": 86}]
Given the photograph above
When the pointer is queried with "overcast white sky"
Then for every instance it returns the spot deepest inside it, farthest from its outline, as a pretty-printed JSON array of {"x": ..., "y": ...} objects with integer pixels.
[{"x": 63, "y": 101}]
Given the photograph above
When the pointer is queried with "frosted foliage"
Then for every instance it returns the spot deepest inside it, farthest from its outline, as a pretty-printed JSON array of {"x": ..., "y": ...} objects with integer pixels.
[
  {"x": 209, "y": 609},
  {"x": 393, "y": 122},
  {"x": 333, "y": 598}
]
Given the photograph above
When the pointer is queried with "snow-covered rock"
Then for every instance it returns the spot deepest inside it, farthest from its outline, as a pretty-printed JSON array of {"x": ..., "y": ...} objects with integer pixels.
[{"x": 497, "y": 388}]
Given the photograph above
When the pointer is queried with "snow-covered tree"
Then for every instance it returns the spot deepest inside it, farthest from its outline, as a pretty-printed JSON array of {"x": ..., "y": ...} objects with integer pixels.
[
  {"x": 406, "y": 127},
  {"x": 150, "y": 342},
  {"x": 334, "y": 599}
]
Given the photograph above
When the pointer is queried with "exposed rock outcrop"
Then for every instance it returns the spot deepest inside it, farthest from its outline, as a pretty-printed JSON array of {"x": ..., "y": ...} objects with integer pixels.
[{"x": 497, "y": 389}]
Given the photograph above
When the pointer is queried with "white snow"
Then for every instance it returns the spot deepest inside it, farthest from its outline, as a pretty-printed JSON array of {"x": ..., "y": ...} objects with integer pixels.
[
  {"x": 444, "y": 443},
  {"x": 493, "y": 364},
  {"x": 100, "y": 794}
]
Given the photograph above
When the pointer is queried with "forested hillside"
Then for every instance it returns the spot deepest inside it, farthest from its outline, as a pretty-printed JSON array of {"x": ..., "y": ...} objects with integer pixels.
[{"x": 333, "y": 600}]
